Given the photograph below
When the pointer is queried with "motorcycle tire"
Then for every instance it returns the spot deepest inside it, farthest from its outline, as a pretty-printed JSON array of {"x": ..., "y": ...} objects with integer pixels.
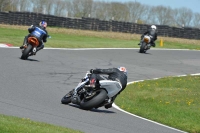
[
  {"x": 26, "y": 52},
  {"x": 97, "y": 99},
  {"x": 142, "y": 48},
  {"x": 66, "y": 99}
]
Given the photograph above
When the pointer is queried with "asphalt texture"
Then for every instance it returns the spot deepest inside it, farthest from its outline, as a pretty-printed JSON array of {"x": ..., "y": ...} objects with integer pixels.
[{"x": 33, "y": 88}]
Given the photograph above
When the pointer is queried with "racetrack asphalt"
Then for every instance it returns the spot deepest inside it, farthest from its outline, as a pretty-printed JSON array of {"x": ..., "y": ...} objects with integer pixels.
[{"x": 33, "y": 88}]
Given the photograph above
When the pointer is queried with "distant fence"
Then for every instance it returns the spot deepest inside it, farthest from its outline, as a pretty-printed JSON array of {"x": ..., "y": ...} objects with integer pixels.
[{"x": 29, "y": 18}]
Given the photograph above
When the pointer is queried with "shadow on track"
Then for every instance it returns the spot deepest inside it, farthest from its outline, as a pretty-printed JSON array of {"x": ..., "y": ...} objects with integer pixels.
[
  {"x": 144, "y": 53},
  {"x": 92, "y": 110},
  {"x": 30, "y": 60}
]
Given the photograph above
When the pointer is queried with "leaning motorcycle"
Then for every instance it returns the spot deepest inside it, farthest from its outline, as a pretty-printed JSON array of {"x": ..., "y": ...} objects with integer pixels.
[
  {"x": 145, "y": 43},
  {"x": 29, "y": 47},
  {"x": 91, "y": 93}
]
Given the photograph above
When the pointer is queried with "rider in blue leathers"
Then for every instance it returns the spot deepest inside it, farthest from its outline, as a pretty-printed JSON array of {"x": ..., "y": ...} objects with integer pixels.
[{"x": 40, "y": 33}]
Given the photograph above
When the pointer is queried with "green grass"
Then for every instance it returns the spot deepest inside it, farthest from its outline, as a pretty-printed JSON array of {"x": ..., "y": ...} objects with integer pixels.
[
  {"x": 174, "y": 101},
  {"x": 11, "y": 124},
  {"x": 177, "y": 45},
  {"x": 70, "y": 38},
  {"x": 80, "y": 41},
  {"x": 60, "y": 40},
  {"x": 12, "y": 36}
]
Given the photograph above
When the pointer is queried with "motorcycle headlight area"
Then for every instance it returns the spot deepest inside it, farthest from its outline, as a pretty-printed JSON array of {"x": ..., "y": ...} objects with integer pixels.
[{"x": 146, "y": 40}]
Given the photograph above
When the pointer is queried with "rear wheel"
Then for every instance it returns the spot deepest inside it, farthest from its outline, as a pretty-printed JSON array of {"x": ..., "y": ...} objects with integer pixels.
[
  {"x": 26, "y": 52},
  {"x": 96, "y": 98}
]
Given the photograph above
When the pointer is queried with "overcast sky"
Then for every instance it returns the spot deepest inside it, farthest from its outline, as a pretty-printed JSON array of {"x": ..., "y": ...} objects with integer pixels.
[{"x": 194, "y": 5}]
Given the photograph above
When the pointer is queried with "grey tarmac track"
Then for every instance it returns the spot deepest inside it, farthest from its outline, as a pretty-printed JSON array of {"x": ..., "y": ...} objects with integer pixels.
[{"x": 33, "y": 88}]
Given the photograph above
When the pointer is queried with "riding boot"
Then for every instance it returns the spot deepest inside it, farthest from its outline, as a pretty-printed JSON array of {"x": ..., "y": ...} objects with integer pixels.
[
  {"x": 140, "y": 42},
  {"x": 24, "y": 43},
  {"x": 109, "y": 105},
  {"x": 38, "y": 48},
  {"x": 153, "y": 44}
]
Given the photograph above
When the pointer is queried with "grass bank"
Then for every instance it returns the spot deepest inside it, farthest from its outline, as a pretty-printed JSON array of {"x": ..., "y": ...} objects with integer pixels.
[
  {"x": 10, "y": 124},
  {"x": 71, "y": 38},
  {"x": 173, "y": 101}
]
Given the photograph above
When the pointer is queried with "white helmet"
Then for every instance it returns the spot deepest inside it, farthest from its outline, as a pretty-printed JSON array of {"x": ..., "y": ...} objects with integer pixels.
[{"x": 153, "y": 27}]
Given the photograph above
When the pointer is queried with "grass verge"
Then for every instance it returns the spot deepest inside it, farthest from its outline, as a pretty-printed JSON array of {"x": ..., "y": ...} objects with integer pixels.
[
  {"x": 11, "y": 124},
  {"x": 173, "y": 101},
  {"x": 71, "y": 38}
]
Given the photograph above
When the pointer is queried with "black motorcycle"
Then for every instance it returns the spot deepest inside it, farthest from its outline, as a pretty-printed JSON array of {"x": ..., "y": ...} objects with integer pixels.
[
  {"x": 145, "y": 44},
  {"x": 91, "y": 93}
]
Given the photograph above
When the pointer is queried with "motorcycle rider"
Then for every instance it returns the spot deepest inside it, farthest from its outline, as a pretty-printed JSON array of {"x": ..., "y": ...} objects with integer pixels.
[
  {"x": 40, "y": 33},
  {"x": 115, "y": 74},
  {"x": 152, "y": 31}
]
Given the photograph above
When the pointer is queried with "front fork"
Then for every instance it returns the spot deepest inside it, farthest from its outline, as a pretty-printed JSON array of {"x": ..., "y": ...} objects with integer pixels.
[
  {"x": 75, "y": 98},
  {"x": 80, "y": 85}
]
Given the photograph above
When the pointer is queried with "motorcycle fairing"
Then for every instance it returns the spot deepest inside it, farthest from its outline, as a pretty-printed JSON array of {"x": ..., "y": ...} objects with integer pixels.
[
  {"x": 112, "y": 87},
  {"x": 146, "y": 39}
]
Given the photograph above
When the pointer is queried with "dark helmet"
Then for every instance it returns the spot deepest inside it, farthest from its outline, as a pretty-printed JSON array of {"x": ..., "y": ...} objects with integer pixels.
[
  {"x": 43, "y": 24},
  {"x": 123, "y": 69}
]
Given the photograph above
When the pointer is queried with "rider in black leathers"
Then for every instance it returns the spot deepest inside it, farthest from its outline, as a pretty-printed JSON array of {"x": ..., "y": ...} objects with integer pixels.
[
  {"x": 115, "y": 74},
  {"x": 152, "y": 31},
  {"x": 40, "y": 33}
]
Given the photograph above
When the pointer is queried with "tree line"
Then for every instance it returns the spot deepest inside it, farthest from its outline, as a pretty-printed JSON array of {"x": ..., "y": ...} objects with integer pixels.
[{"x": 132, "y": 11}]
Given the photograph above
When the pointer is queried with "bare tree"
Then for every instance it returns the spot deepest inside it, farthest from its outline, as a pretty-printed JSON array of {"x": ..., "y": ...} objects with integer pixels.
[
  {"x": 39, "y": 6},
  {"x": 119, "y": 11},
  {"x": 24, "y": 5},
  {"x": 182, "y": 16},
  {"x": 137, "y": 11},
  {"x": 76, "y": 8},
  {"x": 100, "y": 10},
  {"x": 79, "y": 8},
  {"x": 87, "y": 7},
  {"x": 69, "y": 8},
  {"x": 196, "y": 20},
  {"x": 49, "y": 6},
  {"x": 163, "y": 15},
  {"x": 129, "y": 11},
  {"x": 4, "y": 5},
  {"x": 60, "y": 8}
]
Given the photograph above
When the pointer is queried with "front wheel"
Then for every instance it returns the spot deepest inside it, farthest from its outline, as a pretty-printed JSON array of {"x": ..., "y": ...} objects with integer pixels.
[
  {"x": 97, "y": 98},
  {"x": 66, "y": 99},
  {"x": 142, "y": 48},
  {"x": 26, "y": 52}
]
